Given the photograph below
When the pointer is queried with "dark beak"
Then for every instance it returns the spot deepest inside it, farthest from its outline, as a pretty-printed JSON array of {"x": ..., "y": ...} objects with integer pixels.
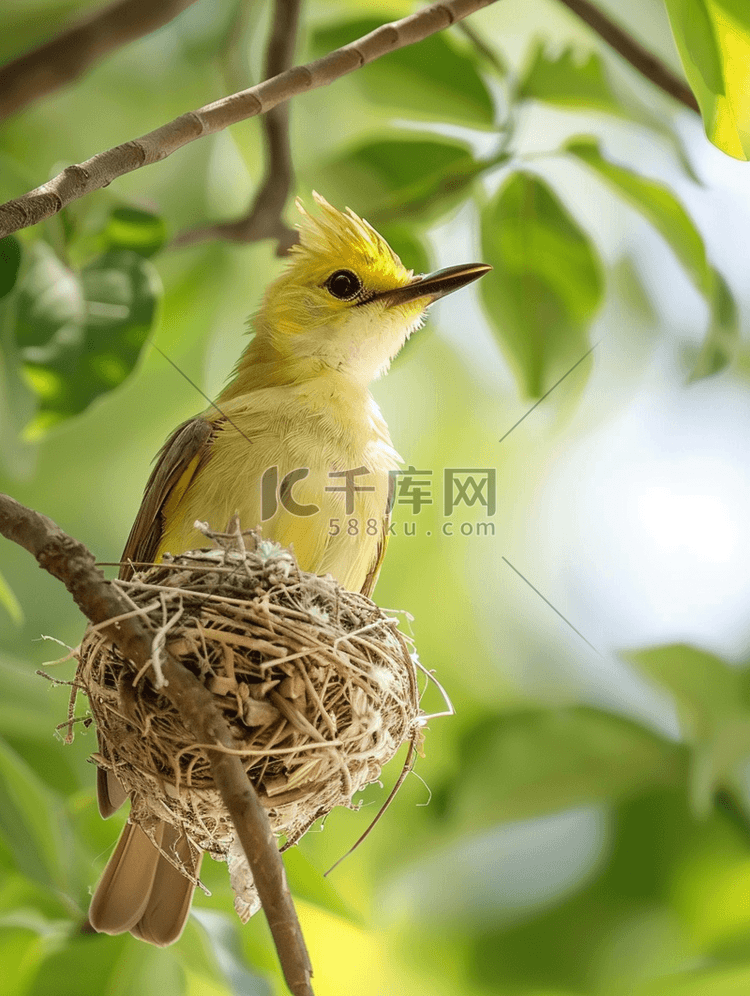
[{"x": 432, "y": 286}]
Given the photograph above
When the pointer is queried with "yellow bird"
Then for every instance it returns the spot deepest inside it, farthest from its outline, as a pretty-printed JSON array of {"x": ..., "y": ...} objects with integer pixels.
[{"x": 296, "y": 444}]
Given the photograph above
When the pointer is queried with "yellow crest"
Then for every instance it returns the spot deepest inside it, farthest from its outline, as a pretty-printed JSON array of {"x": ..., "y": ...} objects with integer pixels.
[{"x": 336, "y": 239}]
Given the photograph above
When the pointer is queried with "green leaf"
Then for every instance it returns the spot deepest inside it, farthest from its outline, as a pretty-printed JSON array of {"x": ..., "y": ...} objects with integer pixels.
[
  {"x": 31, "y": 822},
  {"x": 133, "y": 228},
  {"x": 50, "y": 301},
  {"x": 712, "y": 701},
  {"x": 702, "y": 683},
  {"x": 546, "y": 283},
  {"x": 737, "y": 9},
  {"x": 656, "y": 203},
  {"x": 732, "y": 130},
  {"x": 713, "y": 40},
  {"x": 544, "y": 761},
  {"x": 9, "y": 602},
  {"x": 662, "y": 209},
  {"x": 392, "y": 180},
  {"x": 694, "y": 34},
  {"x": 10, "y": 262},
  {"x": 391, "y": 165},
  {"x": 629, "y": 283},
  {"x": 433, "y": 79},
  {"x": 579, "y": 82},
  {"x": 722, "y": 342},
  {"x": 80, "y": 336},
  {"x": 569, "y": 80}
]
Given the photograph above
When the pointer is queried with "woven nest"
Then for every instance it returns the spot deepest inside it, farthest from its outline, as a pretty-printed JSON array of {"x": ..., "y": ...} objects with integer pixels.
[{"x": 317, "y": 684}]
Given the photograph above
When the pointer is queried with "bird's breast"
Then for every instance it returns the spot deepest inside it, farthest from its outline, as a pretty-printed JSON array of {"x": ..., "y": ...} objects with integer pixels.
[{"x": 312, "y": 470}]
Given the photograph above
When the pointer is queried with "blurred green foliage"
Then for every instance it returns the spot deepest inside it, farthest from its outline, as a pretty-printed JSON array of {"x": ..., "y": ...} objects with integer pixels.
[
  {"x": 713, "y": 40},
  {"x": 437, "y": 81},
  {"x": 568, "y": 80},
  {"x": 540, "y": 308},
  {"x": 568, "y": 848},
  {"x": 80, "y": 335}
]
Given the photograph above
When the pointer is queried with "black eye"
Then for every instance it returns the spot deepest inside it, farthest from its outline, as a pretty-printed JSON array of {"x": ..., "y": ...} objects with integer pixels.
[{"x": 344, "y": 284}]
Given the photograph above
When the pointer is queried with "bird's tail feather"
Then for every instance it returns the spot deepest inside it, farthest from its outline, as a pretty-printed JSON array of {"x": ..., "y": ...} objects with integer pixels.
[{"x": 141, "y": 891}]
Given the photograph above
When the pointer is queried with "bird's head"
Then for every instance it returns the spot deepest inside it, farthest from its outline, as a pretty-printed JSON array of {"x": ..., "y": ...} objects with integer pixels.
[{"x": 346, "y": 301}]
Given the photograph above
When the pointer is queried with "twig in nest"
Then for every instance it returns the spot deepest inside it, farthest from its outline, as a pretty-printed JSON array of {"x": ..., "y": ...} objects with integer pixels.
[{"x": 317, "y": 685}]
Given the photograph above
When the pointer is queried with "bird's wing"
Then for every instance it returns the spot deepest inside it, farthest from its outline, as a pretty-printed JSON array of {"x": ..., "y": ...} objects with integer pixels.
[
  {"x": 372, "y": 575},
  {"x": 176, "y": 464}
]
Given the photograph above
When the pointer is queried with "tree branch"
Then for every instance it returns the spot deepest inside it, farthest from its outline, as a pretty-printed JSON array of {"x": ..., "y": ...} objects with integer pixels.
[
  {"x": 633, "y": 52},
  {"x": 97, "y": 172},
  {"x": 71, "y": 562},
  {"x": 264, "y": 221},
  {"x": 65, "y": 58}
]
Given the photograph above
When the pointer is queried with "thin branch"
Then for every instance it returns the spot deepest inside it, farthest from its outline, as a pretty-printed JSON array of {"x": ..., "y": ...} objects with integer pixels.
[
  {"x": 71, "y": 562},
  {"x": 484, "y": 49},
  {"x": 633, "y": 52},
  {"x": 101, "y": 169},
  {"x": 264, "y": 221},
  {"x": 65, "y": 58}
]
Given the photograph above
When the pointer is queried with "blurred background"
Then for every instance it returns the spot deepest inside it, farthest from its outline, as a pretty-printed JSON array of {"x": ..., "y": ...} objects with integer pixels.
[{"x": 582, "y": 824}]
